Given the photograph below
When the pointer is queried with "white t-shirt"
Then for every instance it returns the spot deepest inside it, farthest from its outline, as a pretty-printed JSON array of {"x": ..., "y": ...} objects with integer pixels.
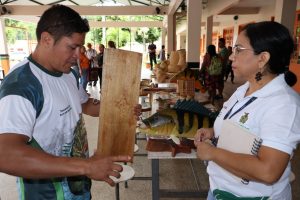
[
  {"x": 46, "y": 107},
  {"x": 275, "y": 117}
]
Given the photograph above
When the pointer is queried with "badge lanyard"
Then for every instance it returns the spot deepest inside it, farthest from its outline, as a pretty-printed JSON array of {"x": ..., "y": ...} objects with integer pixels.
[{"x": 241, "y": 108}]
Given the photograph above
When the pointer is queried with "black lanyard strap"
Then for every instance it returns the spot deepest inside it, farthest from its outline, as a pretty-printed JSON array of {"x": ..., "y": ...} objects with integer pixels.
[{"x": 241, "y": 108}]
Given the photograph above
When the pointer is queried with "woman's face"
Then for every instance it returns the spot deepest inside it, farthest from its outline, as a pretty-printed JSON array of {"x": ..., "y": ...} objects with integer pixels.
[{"x": 245, "y": 63}]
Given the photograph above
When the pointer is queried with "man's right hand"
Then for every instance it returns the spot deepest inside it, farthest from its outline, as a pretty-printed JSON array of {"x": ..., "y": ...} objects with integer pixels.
[{"x": 101, "y": 168}]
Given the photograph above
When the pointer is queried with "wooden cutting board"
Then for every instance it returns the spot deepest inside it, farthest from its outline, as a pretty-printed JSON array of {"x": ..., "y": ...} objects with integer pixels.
[{"x": 119, "y": 94}]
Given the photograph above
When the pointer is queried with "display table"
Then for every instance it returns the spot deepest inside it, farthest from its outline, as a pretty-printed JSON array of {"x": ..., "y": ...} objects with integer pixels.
[{"x": 155, "y": 157}]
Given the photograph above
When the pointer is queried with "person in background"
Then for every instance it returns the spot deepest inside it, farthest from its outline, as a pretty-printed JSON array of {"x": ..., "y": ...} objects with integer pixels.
[
  {"x": 91, "y": 55},
  {"x": 223, "y": 54},
  {"x": 162, "y": 53},
  {"x": 100, "y": 62},
  {"x": 152, "y": 54},
  {"x": 84, "y": 65},
  {"x": 211, "y": 81},
  {"x": 111, "y": 44},
  {"x": 43, "y": 139},
  {"x": 229, "y": 67},
  {"x": 266, "y": 106}
]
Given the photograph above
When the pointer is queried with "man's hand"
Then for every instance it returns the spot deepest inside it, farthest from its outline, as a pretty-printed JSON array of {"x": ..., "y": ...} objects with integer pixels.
[
  {"x": 137, "y": 111},
  {"x": 101, "y": 168}
]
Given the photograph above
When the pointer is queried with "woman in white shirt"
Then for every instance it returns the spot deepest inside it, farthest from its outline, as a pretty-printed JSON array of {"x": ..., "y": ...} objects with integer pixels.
[{"x": 268, "y": 107}]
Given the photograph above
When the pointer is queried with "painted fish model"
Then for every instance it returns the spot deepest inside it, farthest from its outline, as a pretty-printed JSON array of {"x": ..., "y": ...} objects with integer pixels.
[{"x": 182, "y": 121}]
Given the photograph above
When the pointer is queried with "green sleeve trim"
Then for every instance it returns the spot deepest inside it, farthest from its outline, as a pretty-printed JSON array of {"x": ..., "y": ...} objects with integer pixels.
[
  {"x": 59, "y": 190},
  {"x": 22, "y": 190},
  {"x": 221, "y": 194}
]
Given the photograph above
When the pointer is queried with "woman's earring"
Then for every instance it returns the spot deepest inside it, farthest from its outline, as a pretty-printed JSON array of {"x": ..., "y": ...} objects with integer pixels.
[{"x": 258, "y": 76}]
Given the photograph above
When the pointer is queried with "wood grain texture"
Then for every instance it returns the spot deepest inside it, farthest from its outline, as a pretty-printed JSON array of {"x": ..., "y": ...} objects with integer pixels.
[{"x": 119, "y": 95}]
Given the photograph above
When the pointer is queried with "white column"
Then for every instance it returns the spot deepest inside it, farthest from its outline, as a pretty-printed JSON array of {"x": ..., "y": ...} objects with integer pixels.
[
  {"x": 104, "y": 32},
  {"x": 209, "y": 30},
  {"x": 3, "y": 42},
  {"x": 194, "y": 13},
  {"x": 285, "y": 13},
  {"x": 182, "y": 44},
  {"x": 163, "y": 36},
  {"x": 171, "y": 32}
]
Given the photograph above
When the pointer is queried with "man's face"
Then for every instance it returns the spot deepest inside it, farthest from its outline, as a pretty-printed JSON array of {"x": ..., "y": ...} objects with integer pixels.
[{"x": 64, "y": 53}]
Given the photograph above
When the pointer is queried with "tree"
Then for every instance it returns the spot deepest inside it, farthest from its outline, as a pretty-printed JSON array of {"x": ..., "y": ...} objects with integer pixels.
[
  {"x": 16, "y": 30},
  {"x": 147, "y": 36}
]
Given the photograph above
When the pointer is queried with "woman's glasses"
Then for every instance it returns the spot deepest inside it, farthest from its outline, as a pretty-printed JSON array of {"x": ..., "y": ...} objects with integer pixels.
[{"x": 238, "y": 49}]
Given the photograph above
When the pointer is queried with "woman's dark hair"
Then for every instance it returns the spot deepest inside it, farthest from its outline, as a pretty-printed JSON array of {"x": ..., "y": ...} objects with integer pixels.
[
  {"x": 60, "y": 21},
  {"x": 211, "y": 50},
  {"x": 276, "y": 39}
]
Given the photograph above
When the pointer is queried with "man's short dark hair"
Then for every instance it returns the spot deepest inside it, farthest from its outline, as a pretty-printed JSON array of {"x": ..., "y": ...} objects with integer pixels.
[{"x": 60, "y": 21}]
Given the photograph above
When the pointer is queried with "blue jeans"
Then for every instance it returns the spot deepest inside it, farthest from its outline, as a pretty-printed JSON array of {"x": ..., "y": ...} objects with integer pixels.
[{"x": 83, "y": 78}]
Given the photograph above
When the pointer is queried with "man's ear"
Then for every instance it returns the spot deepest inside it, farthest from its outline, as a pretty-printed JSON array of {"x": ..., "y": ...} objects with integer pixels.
[
  {"x": 264, "y": 58},
  {"x": 46, "y": 39}
]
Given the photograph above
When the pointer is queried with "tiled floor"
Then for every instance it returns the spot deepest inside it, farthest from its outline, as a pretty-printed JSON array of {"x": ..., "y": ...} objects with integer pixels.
[{"x": 174, "y": 174}]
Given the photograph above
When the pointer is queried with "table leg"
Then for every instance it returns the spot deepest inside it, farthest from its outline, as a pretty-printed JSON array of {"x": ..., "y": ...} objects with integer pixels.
[
  {"x": 155, "y": 179},
  {"x": 117, "y": 191}
]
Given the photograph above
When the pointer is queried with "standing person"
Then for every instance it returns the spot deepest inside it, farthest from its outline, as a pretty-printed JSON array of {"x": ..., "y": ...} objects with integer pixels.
[
  {"x": 223, "y": 54},
  {"x": 91, "y": 54},
  {"x": 152, "y": 54},
  {"x": 100, "y": 62},
  {"x": 211, "y": 76},
  {"x": 162, "y": 53},
  {"x": 42, "y": 134},
  {"x": 229, "y": 67},
  {"x": 268, "y": 107},
  {"x": 84, "y": 65}
]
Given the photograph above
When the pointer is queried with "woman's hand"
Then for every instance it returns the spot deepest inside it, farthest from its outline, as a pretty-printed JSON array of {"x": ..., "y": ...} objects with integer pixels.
[
  {"x": 203, "y": 134},
  {"x": 205, "y": 150}
]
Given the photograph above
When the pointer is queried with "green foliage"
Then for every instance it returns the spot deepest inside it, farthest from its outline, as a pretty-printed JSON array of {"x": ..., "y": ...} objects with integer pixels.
[
  {"x": 121, "y": 36},
  {"x": 94, "y": 36},
  {"x": 16, "y": 30},
  {"x": 147, "y": 34}
]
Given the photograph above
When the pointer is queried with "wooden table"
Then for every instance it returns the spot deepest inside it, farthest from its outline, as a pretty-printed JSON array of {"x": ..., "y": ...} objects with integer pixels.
[
  {"x": 158, "y": 193},
  {"x": 155, "y": 157}
]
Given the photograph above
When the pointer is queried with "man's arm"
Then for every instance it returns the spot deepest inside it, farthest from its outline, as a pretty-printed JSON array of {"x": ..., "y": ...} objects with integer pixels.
[{"x": 19, "y": 159}]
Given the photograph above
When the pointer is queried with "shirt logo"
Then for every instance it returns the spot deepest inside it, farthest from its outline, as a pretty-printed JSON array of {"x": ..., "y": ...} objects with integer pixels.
[{"x": 244, "y": 118}]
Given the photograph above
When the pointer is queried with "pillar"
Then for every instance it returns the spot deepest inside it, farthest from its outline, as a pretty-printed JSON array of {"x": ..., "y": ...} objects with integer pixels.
[{"x": 194, "y": 13}]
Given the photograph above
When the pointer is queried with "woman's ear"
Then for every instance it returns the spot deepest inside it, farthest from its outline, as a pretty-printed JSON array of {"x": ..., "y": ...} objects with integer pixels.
[{"x": 264, "y": 58}]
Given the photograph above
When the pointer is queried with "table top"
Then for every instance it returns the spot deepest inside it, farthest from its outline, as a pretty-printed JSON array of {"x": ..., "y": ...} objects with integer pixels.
[{"x": 168, "y": 155}]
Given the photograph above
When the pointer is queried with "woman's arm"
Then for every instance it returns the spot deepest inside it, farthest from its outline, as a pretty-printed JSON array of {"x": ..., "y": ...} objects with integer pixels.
[{"x": 267, "y": 167}]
